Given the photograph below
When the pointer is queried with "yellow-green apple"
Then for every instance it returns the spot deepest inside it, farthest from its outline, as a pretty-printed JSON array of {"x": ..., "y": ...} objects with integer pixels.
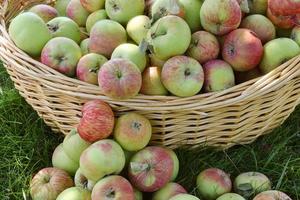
[
  {"x": 84, "y": 46},
  {"x": 88, "y": 67},
  {"x": 93, "y": 5},
  {"x": 155, "y": 61},
  {"x": 258, "y": 6},
  {"x": 48, "y": 183},
  {"x": 260, "y": 25},
  {"x": 272, "y": 195},
  {"x": 244, "y": 4},
  {"x": 61, "y": 6},
  {"x": 74, "y": 145},
  {"x": 242, "y": 49},
  {"x": 241, "y": 77},
  {"x": 161, "y": 8},
  {"x": 168, "y": 37},
  {"x": 204, "y": 47},
  {"x": 105, "y": 36},
  {"x": 152, "y": 84},
  {"x": 145, "y": 169},
  {"x": 284, "y": 7},
  {"x": 81, "y": 181},
  {"x": 192, "y": 14},
  {"x": 251, "y": 183},
  {"x": 120, "y": 79},
  {"x": 75, "y": 193},
  {"x": 137, "y": 194},
  {"x": 104, "y": 151},
  {"x": 184, "y": 197},
  {"x": 231, "y": 196},
  {"x": 62, "y": 161},
  {"x": 45, "y": 11},
  {"x": 227, "y": 18},
  {"x": 285, "y": 22},
  {"x": 124, "y": 10},
  {"x": 182, "y": 76},
  {"x": 138, "y": 27},
  {"x": 295, "y": 35},
  {"x": 113, "y": 188},
  {"x": 133, "y": 131},
  {"x": 131, "y": 52},
  {"x": 218, "y": 76},
  {"x": 64, "y": 27},
  {"x": 97, "y": 121},
  {"x": 168, "y": 191},
  {"x": 61, "y": 54},
  {"x": 175, "y": 164},
  {"x": 277, "y": 52},
  {"x": 77, "y": 12},
  {"x": 26, "y": 25},
  {"x": 212, "y": 183},
  {"x": 94, "y": 18}
]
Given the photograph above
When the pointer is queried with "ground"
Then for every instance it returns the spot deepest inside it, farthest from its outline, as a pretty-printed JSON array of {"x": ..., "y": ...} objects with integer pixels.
[{"x": 26, "y": 145}]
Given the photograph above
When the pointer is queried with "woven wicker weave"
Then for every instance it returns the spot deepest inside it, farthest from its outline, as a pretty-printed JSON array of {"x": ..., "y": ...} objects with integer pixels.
[{"x": 236, "y": 116}]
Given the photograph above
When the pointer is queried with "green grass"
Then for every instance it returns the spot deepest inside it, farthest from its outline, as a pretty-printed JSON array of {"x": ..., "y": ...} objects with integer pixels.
[{"x": 26, "y": 145}]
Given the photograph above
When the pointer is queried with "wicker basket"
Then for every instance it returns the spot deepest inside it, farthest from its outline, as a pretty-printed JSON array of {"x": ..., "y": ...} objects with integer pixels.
[{"x": 236, "y": 116}]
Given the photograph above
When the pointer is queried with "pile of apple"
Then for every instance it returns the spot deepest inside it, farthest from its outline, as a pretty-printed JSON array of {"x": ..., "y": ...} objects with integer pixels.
[
  {"x": 107, "y": 159},
  {"x": 157, "y": 47}
]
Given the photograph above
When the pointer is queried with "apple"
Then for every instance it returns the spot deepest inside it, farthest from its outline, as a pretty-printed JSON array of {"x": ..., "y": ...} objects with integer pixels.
[
  {"x": 88, "y": 67},
  {"x": 94, "y": 18},
  {"x": 272, "y": 195},
  {"x": 249, "y": 183},
  {"x": 61, "y": 54},
  {"x": 77, "y": 12},
  {"x": 74, "y": 193},
  {"x": 242, "y": 49},
  {"x": 295, "y": 35},
  {"x": 131, "y": 52},
  {"x": 168, "y": 37},
  {"x": 46, "y": 12},
  {"x": 133, "y": 131},
  {"x": 227, "y": 18},
  {"x": 62, "y": 161},
  {"x": 168, "y": 191},
  {"x": 284, "y": 7},
  {"x": 242, "y": 77},
  {"x": 124, "y": 10},
  {"x": 120, "y": 79},
  {"x": 64, "y": 27},
  {"x": 74, "y": 145},
  {"x": 93, "y": 5},
  {"x": 161, "y": 8},
  {"x": 204, "y": 47},
  {"x": 155, "y": 61},
  {"x": 145, "y": 169},
  {"x": 83, "y": 33},
  {"x": 113, "y": 188},
  {"x": 152, "y": 84},
  {"x": 175, "y": 164},
  {"x": 48, "y": 183},
  {"x": 184, "y": 197},
  {"x": 137, "y": 194},
  {"x": 285, "y": 22},
  {"x": 94, "y": 104},
  {"x": 104, "y": 151},
  {"x": 192, "y": 14},
  {"x": 231, "y": 196},
  {"x": 84, "y": 46},
  {"x": 138, "y": 27},
  {"x": 61, "y": 6},
  {"x": 212, "y": 183},
  {"x": 277, "y": 52},
  {"x": 26, "y": 25},
  {"x": 105, "y": 36},
  {"x": 81, "y": 181},
  {"x": 182, "y": 76},
  {"x": 97, "y": 122},
  {"x": 258, "y": 6},
  {"x": 260, "y": 25}
]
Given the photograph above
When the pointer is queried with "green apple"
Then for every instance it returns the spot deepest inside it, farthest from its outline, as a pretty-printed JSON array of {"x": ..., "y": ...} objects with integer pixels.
[
  {"x": 168, "y": 191},
  {"x": 84, "y": 46},
  {"x": 138, "y": 27},
  {"x": 152, "y": 84},
  {"x": 74, "y": 193},
  {"x": 132, "y": 53},
  {"x": 61, "y": 6},
  {"x": 155, "y": 61},
  {"x": 231, "y": 196},
  {"x": 169, "y": 36},
  {"x": 26, "y": 25},
  {"x": 184, "y": 197},
  {"x": 95, "y": 17},
  {"x": 62, "y": 161},
  {"x": 124, "y": 10},
  {"x": 77, "y": 12},
  {"x": 192, "y": 14},
  {"x": 137, "y": 194},
  {"x": 93, "y": 5},
  {"x": 81, "y": 181},
  {"x": 277, "y": 52},
  {"x": 45, "y": 12},
  {"x": 295, "y": 35},
  {"x": 175, "y": 164},
  {"x": 64, "y": 27},
  {"x": 161, "y": 8},
  {"x": 258, "y": 6}
]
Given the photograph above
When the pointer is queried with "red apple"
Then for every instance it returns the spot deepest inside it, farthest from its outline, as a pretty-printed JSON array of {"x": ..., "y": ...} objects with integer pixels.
[
  {"x": 285, "y": 22},
  {"x": 284, "y": 7},
  {"x": 272, "y": 195},
  {"x": 168, "y": 191},
  {"x": 46, "y": 12}
]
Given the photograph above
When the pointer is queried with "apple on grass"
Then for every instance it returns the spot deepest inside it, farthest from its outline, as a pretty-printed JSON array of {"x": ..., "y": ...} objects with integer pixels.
[
  {"x": 192, "y": 14},
  {"x": 272, "y": 195},
  {"x": 46, "y": 12},
  {"x": 184, "y": 197},
  {"x": 168, "y": 191},
  {"x": 94, "y": 18},
  {"x": 84, "y": 46},
  {"x": 61, "y": 6},
  {"x": 175, "y": 164},
  {"x": 81, "y": 181},
  {"x": 26, "y": 25},
  {"x": 277, "y": 52},
  {"x": 182, "y": 76},
  {"x": 93, "y": 5},
  {"x": 48, "y": 183},
  {"x": 138, "y": 27},
  {"x": 75, "y": 193},
  {"x": 231, "y": 196},
  {"x": 77, "y": 12}
]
